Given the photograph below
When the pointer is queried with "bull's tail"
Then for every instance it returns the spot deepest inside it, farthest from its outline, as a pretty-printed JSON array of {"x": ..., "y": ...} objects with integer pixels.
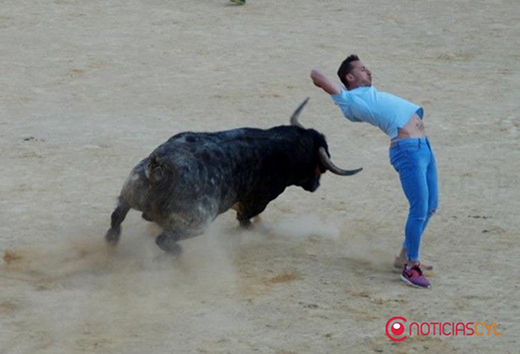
[
  {"x": 159, "y": 169},
  {"x": 161, "y": 175},
  {"x": 118, "y": 216},
  {"x": 153, "y": 169}
]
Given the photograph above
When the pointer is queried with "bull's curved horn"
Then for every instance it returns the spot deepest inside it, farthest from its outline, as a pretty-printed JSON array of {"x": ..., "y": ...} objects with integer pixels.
[
  {"x": 325, "y": 160},
  {"x": 294, "y": 117}
]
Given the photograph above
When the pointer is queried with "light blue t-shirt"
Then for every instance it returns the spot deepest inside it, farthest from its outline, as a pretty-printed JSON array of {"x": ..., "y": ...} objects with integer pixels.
[{"x": 381, "y": 109}]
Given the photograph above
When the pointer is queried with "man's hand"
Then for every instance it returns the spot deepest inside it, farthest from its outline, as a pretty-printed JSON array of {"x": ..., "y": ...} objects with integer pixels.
[{"x": 324, "y": 83}]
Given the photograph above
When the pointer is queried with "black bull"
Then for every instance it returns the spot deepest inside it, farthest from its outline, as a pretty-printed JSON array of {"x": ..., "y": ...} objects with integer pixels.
[{"x": 193, "y": 177}]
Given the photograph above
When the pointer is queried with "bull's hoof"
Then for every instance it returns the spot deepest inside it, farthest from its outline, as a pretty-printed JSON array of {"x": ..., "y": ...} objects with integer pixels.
[
  {"x": 112, "y": 235},
  {"x": 168, "y": 245},
  {"x": 146, "y": 217},
  {"x": 245, "y": 224}
]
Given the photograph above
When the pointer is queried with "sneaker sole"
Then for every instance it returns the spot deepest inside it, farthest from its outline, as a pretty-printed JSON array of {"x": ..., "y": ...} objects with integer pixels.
[{"x": 407, "y": 282}]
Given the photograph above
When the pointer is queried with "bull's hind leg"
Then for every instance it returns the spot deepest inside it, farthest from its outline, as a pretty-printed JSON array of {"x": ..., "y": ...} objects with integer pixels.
[
  {"x": 167, "y": 241},
  {"x": 118, "y": 216}
]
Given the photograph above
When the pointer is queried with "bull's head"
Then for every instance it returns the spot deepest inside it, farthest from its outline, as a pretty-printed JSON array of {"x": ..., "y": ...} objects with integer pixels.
[{"x": 324, "y": 162}]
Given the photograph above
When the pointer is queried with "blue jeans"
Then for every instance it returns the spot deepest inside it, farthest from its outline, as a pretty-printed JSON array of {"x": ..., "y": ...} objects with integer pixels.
[{"x": 413, "y": 159}]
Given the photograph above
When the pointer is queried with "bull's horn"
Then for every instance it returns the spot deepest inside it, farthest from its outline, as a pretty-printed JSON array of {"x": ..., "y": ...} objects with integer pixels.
[
  {"x": 294, "y": 117},
  {"x": 325, "y": 160}
]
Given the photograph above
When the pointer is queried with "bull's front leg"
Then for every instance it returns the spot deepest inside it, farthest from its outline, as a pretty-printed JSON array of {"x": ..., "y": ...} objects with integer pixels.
[
  {"x": 147, "y": 217},
  {"x": 118, "y": 216},
  {"x": 246, "y": 211}
]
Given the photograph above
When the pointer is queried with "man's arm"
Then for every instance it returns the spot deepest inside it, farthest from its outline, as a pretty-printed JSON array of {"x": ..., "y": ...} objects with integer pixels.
[{"x": 323, "y": 82}]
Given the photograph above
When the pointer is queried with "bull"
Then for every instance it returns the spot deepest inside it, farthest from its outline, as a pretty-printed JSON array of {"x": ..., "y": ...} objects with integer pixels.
[{"x": 185, "y": 183}]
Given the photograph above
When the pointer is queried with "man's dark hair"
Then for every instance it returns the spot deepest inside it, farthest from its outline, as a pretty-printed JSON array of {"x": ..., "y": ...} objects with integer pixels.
[{"x": 345, "y": 68}]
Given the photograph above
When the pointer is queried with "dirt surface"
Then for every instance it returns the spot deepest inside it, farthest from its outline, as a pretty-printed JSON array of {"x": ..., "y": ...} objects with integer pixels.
[{"x": 88, "y": 88}]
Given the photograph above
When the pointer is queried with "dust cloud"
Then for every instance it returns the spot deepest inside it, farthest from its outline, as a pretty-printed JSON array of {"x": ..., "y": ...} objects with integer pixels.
[{"x": 102, "y": 291}]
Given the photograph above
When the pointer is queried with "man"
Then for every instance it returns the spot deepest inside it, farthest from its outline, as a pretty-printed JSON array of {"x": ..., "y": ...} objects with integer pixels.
[{"x": 410, "y": 151}]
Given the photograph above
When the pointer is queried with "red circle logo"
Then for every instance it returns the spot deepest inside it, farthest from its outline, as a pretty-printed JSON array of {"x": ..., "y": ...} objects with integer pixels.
[{"x": 395, "y": 329}]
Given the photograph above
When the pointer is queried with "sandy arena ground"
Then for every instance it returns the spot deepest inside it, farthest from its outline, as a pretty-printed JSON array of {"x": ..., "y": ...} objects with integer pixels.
[{"x": 88, "y": 88}]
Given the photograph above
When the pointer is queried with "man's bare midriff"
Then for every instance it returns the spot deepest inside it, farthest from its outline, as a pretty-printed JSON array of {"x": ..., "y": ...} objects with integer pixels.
[{"x": 413, "y": 129}]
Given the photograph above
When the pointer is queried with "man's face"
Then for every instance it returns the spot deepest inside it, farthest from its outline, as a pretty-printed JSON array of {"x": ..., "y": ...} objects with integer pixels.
[{"x": 359, "y": 75}]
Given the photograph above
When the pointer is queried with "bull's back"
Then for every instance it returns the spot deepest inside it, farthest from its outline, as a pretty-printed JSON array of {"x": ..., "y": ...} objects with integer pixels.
[{"x": 235, "y": 158}]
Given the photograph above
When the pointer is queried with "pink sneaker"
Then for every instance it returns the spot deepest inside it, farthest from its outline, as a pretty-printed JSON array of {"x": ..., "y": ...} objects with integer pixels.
[
  {"x": 400, "y": 262},
  {"x": 413, "y": 276}
]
